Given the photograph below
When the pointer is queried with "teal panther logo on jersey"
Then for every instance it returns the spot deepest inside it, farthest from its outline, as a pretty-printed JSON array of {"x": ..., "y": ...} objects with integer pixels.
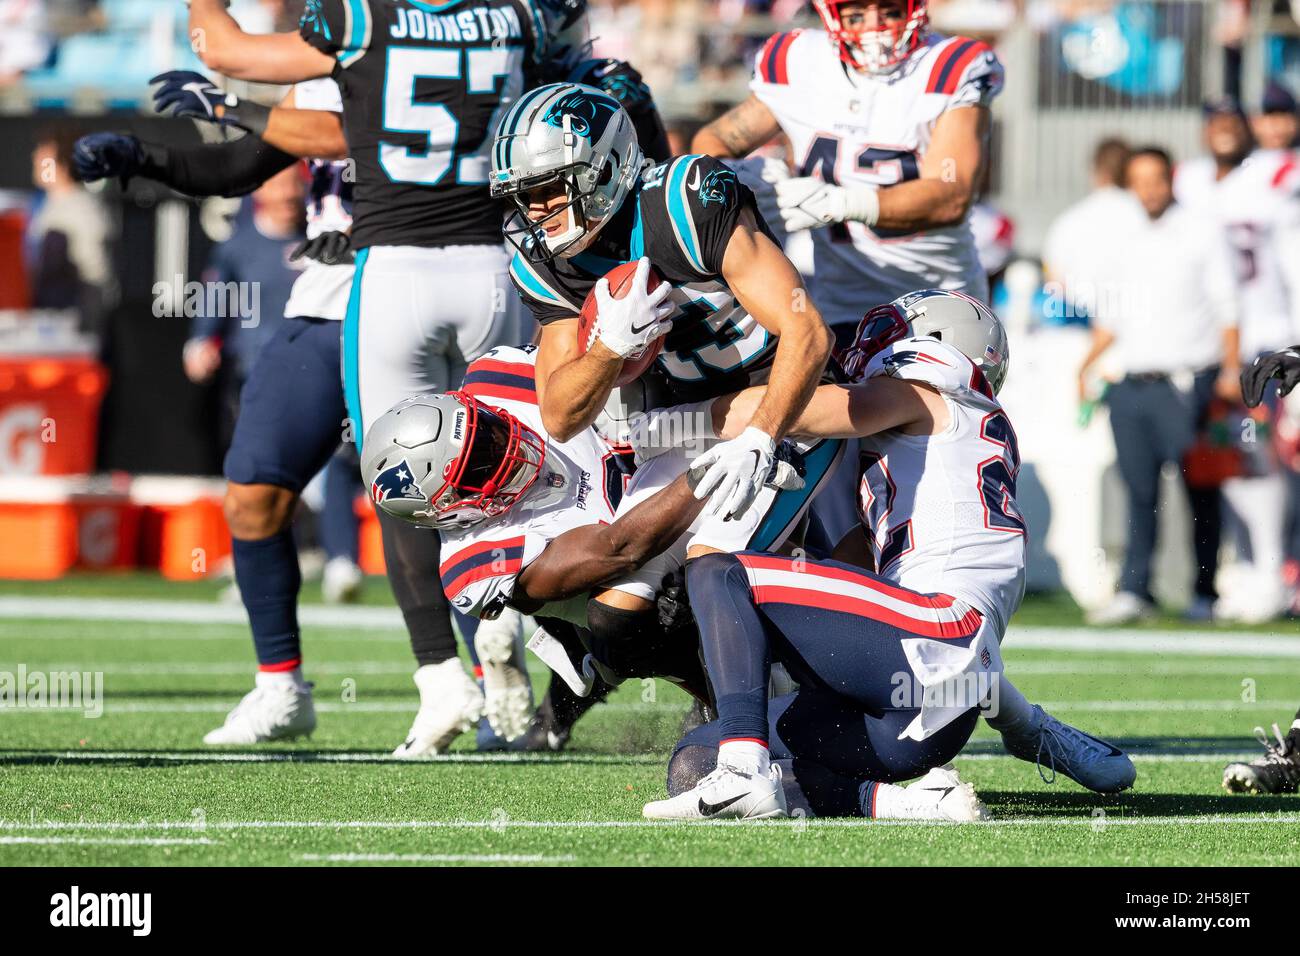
[
  {"x": 718, "y": 186},
  {"x": 589, "y": 116},
  {"x": 314, "y": 20}
]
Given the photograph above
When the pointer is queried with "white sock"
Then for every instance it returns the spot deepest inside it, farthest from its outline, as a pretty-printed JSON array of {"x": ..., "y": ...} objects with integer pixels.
[
  {"x": 880, "y": 800},
  {"x": 1013, "y": 709},
  {"x": 282, "y": 679},
  {"x": 748, "y": 756}
]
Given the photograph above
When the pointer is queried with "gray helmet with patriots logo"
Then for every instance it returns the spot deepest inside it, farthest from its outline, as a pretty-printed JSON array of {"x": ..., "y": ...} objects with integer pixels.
[
  {"x": 570, "y": 134},
  {"x": 449, "y": 461},
  {"x": 959, "y": 320}
]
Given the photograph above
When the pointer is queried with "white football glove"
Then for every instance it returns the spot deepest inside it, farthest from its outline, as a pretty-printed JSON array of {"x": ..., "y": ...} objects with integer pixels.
[
  {"x": 734, "y": 472},
  {"x": 808, "y": 202},
  {"x": 626, "y": 326},
  {"x": 761, "y": 174}
]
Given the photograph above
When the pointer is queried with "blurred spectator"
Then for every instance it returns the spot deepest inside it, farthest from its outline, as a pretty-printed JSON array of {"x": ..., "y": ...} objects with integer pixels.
[
  {"x": 244, "y": 292},
  {"x": 24, "y": 41},
  {"x": 1276, "y": 126},
  {"x": 1078, "y": 238},
  {"x": 1170, "y": 312},
  {"x": 68, "y": 237}
]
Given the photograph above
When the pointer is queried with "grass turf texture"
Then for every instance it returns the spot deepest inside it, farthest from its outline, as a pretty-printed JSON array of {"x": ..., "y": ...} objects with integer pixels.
[{"x": 135, "y": 787}]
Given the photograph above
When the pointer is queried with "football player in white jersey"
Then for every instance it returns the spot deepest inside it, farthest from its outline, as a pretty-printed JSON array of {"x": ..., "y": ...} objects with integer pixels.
[
  {"x": 529, "y": 522},
  {"x": 888, "y": 124},
  {"x": 938, "y": 469}
]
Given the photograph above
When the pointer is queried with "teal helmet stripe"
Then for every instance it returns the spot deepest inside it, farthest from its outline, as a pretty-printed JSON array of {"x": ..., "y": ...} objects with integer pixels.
[{"x": 511, "y": 123}]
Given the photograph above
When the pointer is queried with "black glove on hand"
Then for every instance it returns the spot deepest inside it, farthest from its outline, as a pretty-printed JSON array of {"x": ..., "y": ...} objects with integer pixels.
[
  {"x": 102, "y": 155},
  {"x": 193, "y": 95},
  {"x": 1284, "y": 365},
  {"x": 329, "y": 248}
]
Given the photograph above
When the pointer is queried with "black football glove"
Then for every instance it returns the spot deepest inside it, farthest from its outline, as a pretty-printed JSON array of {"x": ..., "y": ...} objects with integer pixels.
[
  {"x": 103, "y": 155},
  {"x": 1284, "y": 365},
  {"x": 192, "y": 95},
  {"x": 329, "y": 248}
]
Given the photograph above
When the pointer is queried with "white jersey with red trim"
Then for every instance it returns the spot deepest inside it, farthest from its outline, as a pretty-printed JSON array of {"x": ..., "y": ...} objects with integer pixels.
[
  {"x": 1258, "y": 204},
  {"x": 322, "y": 291},
  {"x": 854, "y": 128},
  {"x": 940, "y": 510},
  {"x": 480, "y": 565}
]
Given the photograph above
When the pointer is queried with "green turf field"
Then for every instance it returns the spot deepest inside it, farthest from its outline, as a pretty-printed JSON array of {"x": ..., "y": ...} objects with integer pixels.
[{"x": 135, "y": 786}]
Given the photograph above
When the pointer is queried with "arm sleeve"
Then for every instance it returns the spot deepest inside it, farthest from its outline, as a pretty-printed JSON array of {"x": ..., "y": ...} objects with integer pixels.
[
  {"x": 690, "y": 217},
  {"x": 331, "y": 27},
  {"x": 235, "y": 168}
]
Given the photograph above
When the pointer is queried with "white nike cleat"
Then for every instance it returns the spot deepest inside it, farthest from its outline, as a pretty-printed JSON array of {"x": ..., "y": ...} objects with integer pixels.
[
  {"x": 507, "y": 692},
  {"x": 278, "y": 708},
  {"x": 939, "y": 795},
  {"x": 341, "y": 581},
  {"x": 726, "y": 793},
  {"x": 1092, "y": 763},
  {"x": 450, "y": 704}
]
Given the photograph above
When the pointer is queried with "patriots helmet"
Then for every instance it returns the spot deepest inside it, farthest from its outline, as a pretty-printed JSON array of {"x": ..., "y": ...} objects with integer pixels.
[
  {"x": 448, "y": 461},
  {"x": 959, "y": 320},
  {"x": 570, "y": 137},
  {"x": 901, "y": 26}
]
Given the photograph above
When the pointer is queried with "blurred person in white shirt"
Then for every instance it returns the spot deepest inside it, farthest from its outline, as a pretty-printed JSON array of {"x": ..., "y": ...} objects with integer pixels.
[
  {"x": 1078, "y": 238},
  {"x": 1168, "y": 310},
  {"x": 24, "y": 38},
  {"x": 1254, "y": 194}
]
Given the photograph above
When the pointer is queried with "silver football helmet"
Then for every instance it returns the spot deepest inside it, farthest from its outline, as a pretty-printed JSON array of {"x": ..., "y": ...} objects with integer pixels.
[
  {"x": 449, "y": 461},
  {"x": 963, "y": 322},
  {"x": 571, "y": 135}
]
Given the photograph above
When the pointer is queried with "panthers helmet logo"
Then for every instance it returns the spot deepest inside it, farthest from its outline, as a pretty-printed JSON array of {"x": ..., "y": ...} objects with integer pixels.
[
  {"x": 718, "y": 186},
  {"x": 589, "y": 116}
]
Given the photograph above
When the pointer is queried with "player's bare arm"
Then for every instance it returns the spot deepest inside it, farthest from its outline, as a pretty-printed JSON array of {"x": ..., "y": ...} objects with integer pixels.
[
  {"x": 737, "y": 132},
  {"x": 572, "y": 386},
  {"x": 311, "y": 134},
  {"x": 587, "y": 557},
  {"x": 951, "y": 170},
  {"x": 846, "y": 411},
  {"x": 223, "y": 46},
  {"x": 771, "y": 290}
]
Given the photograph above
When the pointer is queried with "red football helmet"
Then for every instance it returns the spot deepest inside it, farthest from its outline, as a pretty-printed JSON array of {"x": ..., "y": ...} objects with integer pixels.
[{"x": 878, "y": 50}]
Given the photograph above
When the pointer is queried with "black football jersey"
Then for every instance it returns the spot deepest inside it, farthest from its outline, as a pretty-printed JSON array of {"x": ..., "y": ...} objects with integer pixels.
[
  {"x": 681, "y": 217},
  {"x": 424, "y": 86}
]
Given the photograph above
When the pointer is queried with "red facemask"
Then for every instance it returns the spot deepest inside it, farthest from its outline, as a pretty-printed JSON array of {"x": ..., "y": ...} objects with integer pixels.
[
  {"x": 875, "y": 50},
  {"x": 881, "y": 327},
  {"x": 500, "y": 459}
]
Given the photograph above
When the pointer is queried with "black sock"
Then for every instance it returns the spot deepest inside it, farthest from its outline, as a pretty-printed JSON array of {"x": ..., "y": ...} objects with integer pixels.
[
  {"x": 269, "y": 579},
  {"x": 411, "y": 557},
  {"x": 1293, "y": 735}
]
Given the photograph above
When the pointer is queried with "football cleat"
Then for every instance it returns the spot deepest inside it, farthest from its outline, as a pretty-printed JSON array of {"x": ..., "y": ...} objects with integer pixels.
[
  {"x": 939, "y": 795},
  {"x": 1277, "y": 772},
  {"x": 1095, "y": 764},
  {"x": 507, "y": 693},
  {"x": 278, "y": 708},
  {"x": 341, "y": 581},
  {"x": 450, "y": 704},
  {"x": 725, "y": 794}
]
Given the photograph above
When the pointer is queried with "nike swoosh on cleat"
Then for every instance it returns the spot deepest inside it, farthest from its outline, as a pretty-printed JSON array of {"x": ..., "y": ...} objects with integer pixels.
[{"x": 709, "y": 809}]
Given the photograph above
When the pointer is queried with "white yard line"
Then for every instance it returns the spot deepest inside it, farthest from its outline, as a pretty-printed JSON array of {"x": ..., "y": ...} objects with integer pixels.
[
  {"x": 1284, "y": 642},
  {"x": 118, "y": 706},
  {"x": 434, "y": 858},
  {"x": 308, "y": 756},
  {"x": 501, "y": 825}
]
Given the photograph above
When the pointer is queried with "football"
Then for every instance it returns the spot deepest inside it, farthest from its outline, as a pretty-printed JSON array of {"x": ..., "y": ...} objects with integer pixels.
[{"x": 619, "y": 277}]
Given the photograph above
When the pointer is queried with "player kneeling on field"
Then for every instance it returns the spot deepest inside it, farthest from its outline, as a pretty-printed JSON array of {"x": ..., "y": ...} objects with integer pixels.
[{"x": 894, "y": 664}]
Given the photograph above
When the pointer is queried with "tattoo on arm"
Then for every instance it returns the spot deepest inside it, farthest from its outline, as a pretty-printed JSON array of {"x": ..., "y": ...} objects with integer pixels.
[{"x": 744, "y": 127}]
